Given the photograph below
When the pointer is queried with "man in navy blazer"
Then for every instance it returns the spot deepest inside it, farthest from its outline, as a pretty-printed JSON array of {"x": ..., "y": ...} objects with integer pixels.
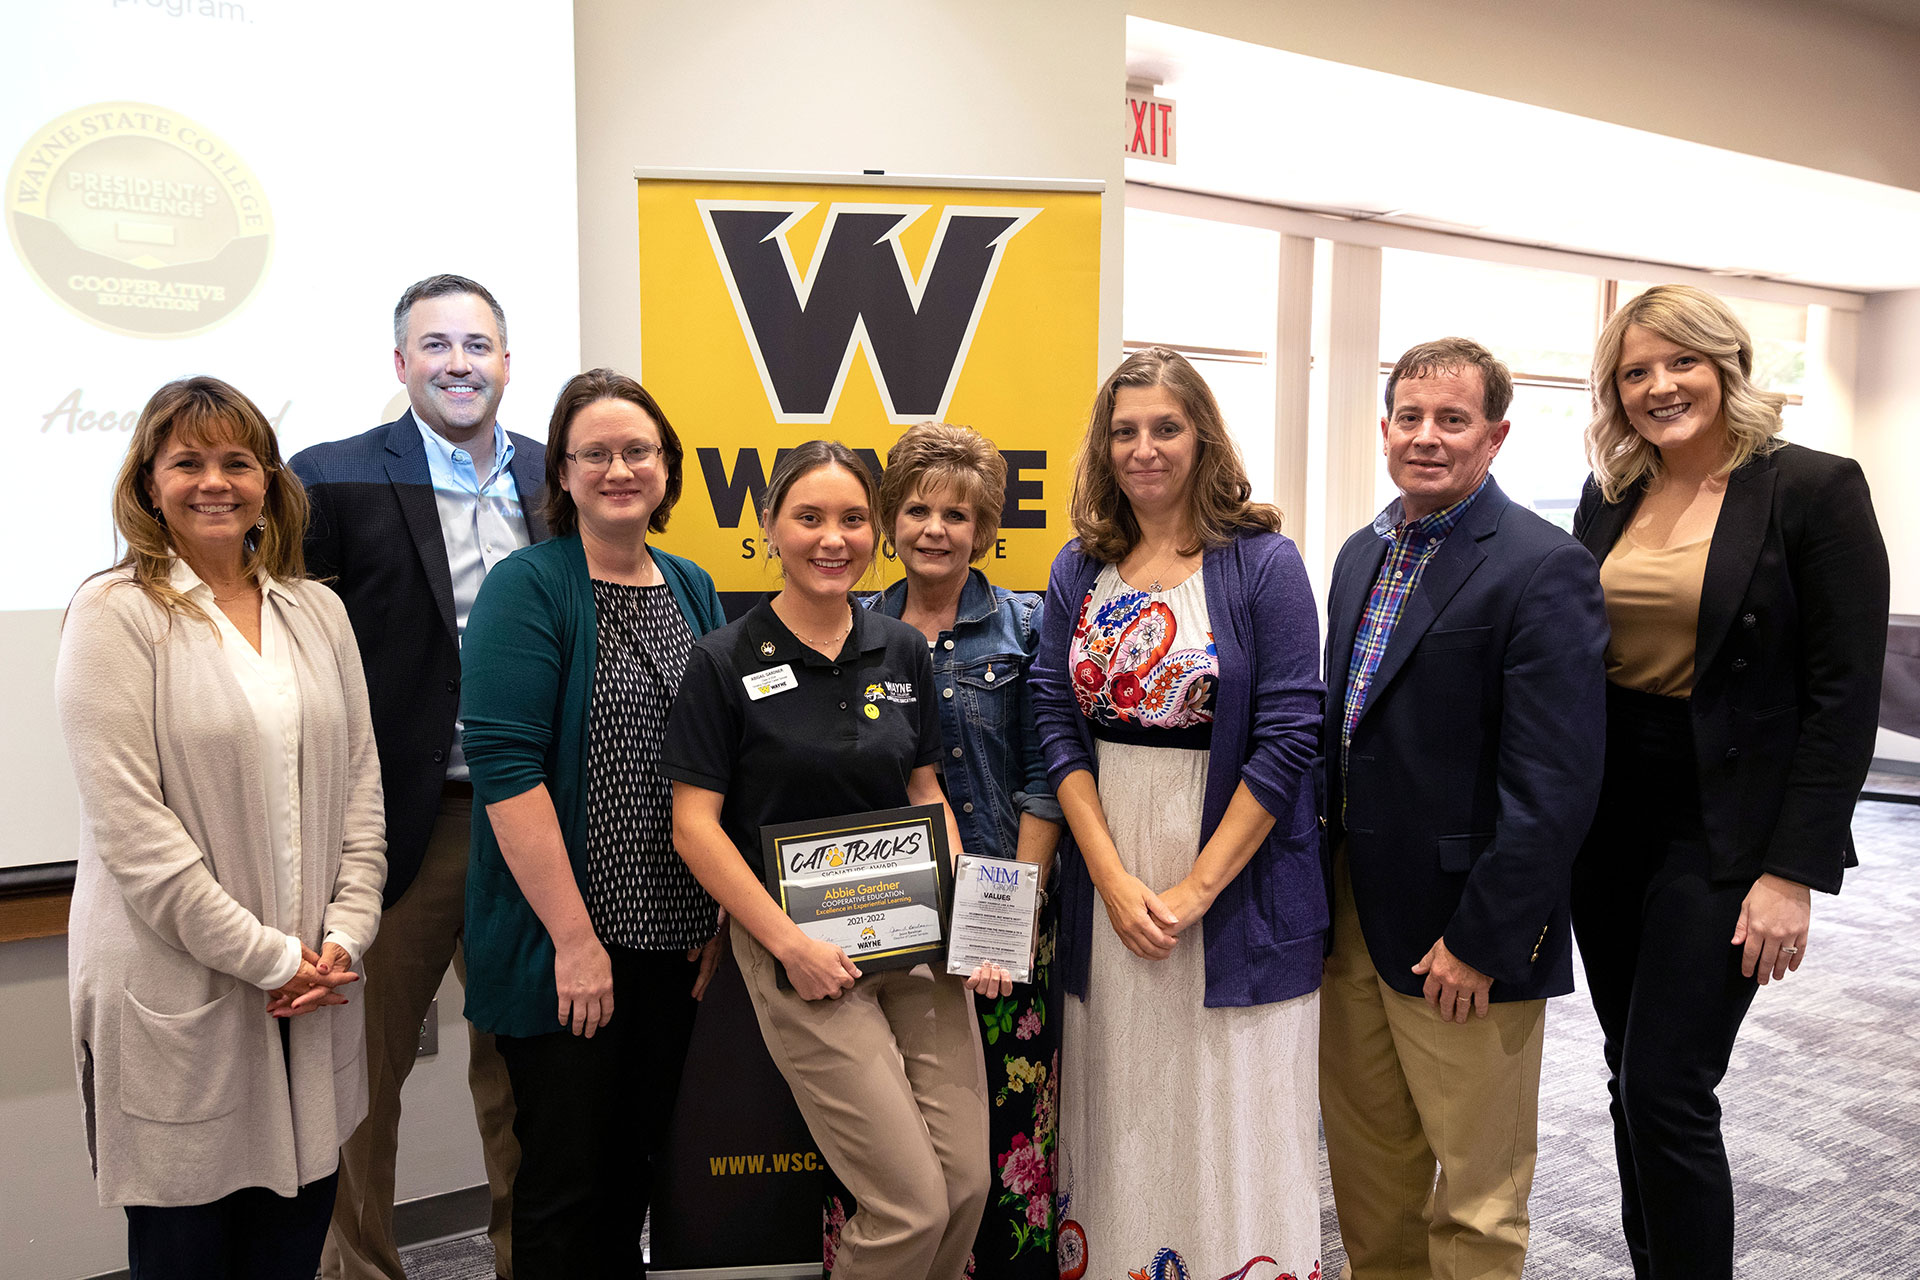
[
  {"x": 407, "y": 520},
  {"x": 1465, "y": 681}
]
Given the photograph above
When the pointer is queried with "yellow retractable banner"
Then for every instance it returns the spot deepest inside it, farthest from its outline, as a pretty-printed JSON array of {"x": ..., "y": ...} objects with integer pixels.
[{"x": 776, "y": 310}]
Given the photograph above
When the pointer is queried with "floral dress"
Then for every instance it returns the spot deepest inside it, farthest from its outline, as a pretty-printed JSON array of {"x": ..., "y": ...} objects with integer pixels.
[
  {"x": 1188, "y": 1135},
  {"x": 1021, "y": 1034}
]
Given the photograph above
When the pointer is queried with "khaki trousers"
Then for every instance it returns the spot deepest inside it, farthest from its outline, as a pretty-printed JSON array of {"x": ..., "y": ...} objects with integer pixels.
[
  {"x": 893, "y": 1088},
  {"x": 1405, "y": 1095},
  {"x": 402, "y": 970}
]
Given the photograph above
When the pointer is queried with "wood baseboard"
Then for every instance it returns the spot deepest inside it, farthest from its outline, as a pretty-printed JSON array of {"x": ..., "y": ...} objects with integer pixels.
[{"x": 34, "y": 915}]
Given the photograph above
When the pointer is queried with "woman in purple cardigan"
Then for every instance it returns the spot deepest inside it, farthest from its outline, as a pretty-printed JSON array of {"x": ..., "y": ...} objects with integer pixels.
[{"x": 1178, "y": 696}]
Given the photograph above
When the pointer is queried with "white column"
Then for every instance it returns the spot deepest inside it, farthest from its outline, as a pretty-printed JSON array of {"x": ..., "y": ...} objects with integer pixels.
[
  {"x": 1292, "y": 368},
  {"x": 1353, "y": 395},
  {"x": 1826, "y": 403}
]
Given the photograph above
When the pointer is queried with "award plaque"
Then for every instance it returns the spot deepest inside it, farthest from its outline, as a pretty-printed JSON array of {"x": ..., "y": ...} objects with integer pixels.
[
  {"x": 876, "y": 885},
  {"x": 996, "y": 902}
]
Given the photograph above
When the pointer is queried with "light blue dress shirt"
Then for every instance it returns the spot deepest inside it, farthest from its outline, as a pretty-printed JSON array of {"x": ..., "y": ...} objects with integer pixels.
[{"x": 482, "y": 524}]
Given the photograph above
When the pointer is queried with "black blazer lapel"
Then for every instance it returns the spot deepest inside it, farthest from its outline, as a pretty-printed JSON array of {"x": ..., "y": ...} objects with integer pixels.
[
  {"x": 1445, "y": 574},
  {"x": 1738, "y": 535},
  {"x": 413, "y": 490},
  {"x": 531, "y": 482},
  {"x": 1609, "y": 522}
]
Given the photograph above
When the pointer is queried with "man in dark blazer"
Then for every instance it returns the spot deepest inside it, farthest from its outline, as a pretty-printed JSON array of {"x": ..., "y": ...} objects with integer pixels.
[
  {"x": 407, "y": 520},
  {"x": 1465, "y": 681}
]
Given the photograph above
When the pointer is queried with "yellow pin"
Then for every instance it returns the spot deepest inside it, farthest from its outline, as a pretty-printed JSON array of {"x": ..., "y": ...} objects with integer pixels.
[{"x": 873, "y": 712}]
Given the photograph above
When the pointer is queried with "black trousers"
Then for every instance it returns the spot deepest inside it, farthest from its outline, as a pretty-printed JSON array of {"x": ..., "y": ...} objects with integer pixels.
[
  {"x": 1655, "y": 933},
  {"x": 249, "y": 1234},
  {"x": 592, "y": 1118}
]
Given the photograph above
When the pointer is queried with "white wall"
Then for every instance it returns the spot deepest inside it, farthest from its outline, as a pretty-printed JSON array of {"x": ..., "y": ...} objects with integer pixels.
[
  {"x": 1886, "y": 430},
  {"x": 987, "y": 87}
]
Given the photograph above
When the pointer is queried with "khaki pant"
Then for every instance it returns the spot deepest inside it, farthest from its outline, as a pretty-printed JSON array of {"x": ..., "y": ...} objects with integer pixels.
[
  {"x": 1404, "y": 1095},
  {"x": 402, "y": 970},
  {"x": 893, "y": 1088}
]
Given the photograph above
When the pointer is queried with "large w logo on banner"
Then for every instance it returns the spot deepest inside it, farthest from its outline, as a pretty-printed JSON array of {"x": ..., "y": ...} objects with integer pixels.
[{"x": 803, "y": 328}]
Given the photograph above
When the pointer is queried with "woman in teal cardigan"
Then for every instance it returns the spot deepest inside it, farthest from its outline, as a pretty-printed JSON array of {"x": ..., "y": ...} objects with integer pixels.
[{"x": 576, "y": 899}]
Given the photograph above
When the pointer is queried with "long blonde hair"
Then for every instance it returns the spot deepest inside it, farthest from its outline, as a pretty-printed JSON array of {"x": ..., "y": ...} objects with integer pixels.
[
  {"x": 1219, "y": 496},
  {"x": 1693, "y": 318},
  {"x": 208, "y": 411}
]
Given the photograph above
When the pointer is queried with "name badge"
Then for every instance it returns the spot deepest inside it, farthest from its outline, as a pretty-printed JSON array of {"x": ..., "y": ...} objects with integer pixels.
[{"x": 764, "y": 684}]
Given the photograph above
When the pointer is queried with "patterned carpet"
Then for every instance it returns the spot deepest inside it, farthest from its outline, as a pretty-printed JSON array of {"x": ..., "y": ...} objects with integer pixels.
[{"x": 1822, "y": 1105}]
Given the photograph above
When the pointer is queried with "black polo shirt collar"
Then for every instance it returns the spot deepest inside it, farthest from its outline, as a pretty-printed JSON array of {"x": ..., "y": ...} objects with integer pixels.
[{"x": 773, "y": 643}]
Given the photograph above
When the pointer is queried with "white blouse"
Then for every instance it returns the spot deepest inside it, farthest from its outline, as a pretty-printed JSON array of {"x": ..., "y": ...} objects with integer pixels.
[{"x": 272, "y": 689}]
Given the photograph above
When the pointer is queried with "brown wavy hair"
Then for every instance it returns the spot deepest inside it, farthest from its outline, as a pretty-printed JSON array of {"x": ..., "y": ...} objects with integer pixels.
[
  {"x": 204, "y": 411},
  {"x": 937, "y": 456},
  {"x": 1219, "y": 497},
  {"x": 583, "y": 389},
  {"x": 1694, "y": 319}
]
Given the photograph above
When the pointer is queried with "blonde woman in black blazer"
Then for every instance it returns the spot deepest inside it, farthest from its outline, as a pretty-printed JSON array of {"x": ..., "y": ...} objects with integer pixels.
[{"x": 1746, "y": 586}]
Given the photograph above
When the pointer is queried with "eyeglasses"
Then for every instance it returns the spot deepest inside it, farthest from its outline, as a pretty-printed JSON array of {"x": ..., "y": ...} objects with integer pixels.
[{"x": 635, "y": 456}]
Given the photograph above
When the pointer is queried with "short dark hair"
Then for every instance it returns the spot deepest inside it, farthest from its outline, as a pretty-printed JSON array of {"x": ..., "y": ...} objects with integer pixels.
[
  {"x": 443, "y": 286},
  {"x": 591, "y": 387},
  {"x": 1444, "y": 355}
]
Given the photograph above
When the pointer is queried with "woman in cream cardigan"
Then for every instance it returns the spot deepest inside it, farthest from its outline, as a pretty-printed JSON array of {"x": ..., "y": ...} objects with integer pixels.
[{"x": 231, "y": 852}]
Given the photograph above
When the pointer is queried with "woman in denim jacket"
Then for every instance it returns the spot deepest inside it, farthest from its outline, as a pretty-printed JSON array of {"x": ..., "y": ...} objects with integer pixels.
[{"x": 940, "y": 503}]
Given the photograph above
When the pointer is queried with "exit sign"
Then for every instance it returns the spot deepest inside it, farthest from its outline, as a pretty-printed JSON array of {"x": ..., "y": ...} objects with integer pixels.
[{"x": 1149, "y": 127}]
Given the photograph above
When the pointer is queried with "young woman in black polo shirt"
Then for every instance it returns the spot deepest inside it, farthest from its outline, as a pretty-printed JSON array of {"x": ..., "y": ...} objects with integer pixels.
[{"x": 886, "y": 1070}]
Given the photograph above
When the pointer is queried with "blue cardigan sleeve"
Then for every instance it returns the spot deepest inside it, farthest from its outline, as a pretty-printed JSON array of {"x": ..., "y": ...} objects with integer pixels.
[
  {"x": 1035, "y": 795},
  {"x": 1287, "y": 691},
  {"x": 1056, "y": 714}
]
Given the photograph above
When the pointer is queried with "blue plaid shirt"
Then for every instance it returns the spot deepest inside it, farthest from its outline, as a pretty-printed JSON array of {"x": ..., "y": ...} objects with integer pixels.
[{"x": 1410, "y": 544}]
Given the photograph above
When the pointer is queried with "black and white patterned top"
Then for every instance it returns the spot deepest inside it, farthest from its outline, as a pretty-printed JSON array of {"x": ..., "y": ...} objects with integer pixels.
[{"x": 639, "y": 893}]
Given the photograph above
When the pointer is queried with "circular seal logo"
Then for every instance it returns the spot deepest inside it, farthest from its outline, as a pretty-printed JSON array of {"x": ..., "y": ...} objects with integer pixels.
[{"x": 138, "y": 219}]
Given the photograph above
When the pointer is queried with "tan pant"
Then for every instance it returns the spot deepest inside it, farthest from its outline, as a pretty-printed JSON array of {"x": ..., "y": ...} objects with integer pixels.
[
  {"x": 893, "y": 1088},
  {"x": 403, "y": 969},
  {"x": 1401, "y": 1092}
]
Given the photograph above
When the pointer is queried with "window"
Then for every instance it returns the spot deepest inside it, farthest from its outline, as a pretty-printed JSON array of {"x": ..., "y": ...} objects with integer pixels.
[
  {"x": 1542, "y": 324},
  {"x": 1210, "y": 291},
  {"x": 1201, "y": 277},
  {"x": 1779, "y": 332}
]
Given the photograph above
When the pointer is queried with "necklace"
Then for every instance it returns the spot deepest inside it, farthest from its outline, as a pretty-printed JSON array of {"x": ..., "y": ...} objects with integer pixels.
[
  {"x": 833, "y": 644},
  {"x": 1153, "y": 584},
  {"x": 251, "y": 587}
]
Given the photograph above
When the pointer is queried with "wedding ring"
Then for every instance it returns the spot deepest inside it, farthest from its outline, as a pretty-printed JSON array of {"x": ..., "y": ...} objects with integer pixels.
[{"x": 1789, "y": 951}]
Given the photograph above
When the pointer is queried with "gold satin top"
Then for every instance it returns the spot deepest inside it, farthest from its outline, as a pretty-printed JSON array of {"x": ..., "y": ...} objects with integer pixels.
[{"x": 1653, "y": 606}]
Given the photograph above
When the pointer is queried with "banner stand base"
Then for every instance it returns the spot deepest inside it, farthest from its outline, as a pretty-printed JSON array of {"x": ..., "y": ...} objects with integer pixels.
[{"x": 775, "y": 1271}]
